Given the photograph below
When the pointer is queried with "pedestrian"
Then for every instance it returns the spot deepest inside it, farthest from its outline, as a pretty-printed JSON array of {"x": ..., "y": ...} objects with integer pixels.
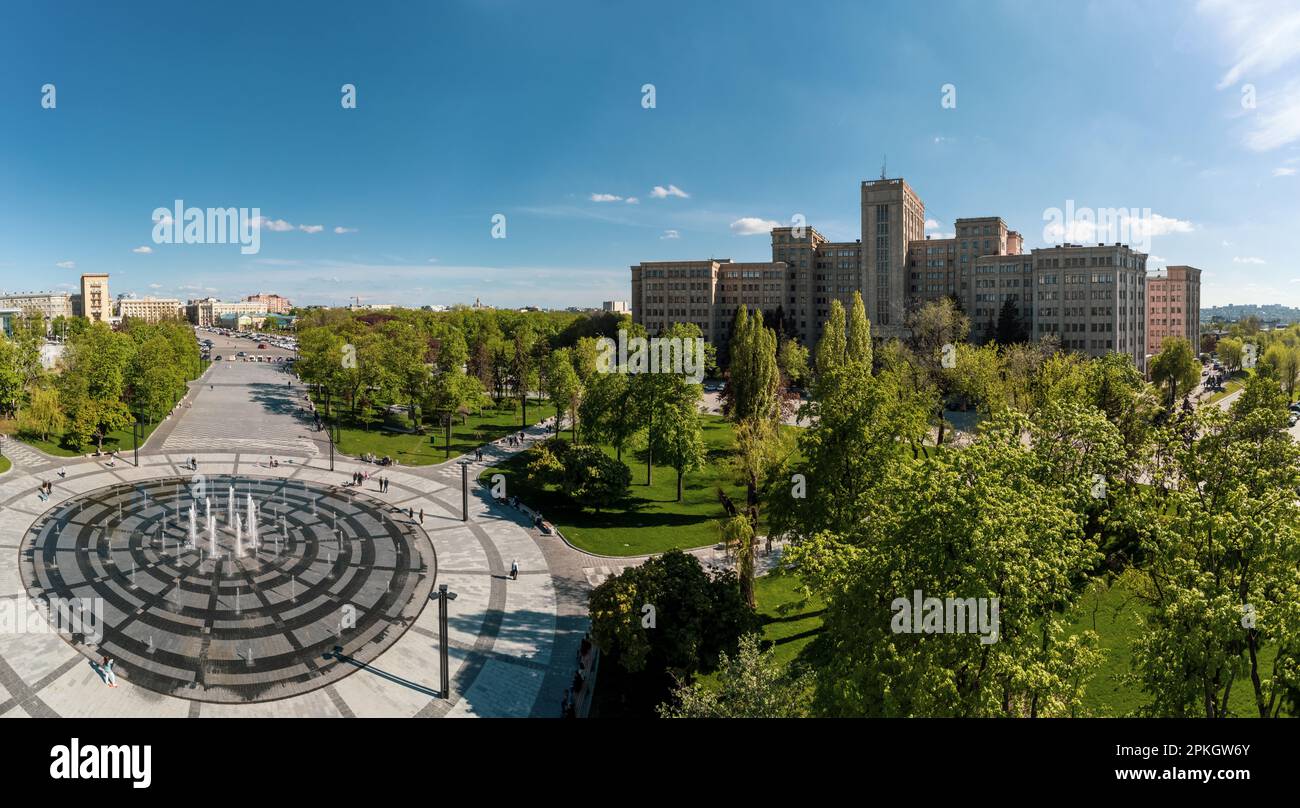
[
  {"x": 422, "y": 516},
  {"x": 63, "y": 471},
  {"x": 107, "y": 667},
  {"x": 514, "y": 570}
]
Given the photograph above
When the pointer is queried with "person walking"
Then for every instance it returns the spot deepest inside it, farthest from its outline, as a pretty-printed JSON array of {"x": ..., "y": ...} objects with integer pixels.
[
  {"x": 422, "y": 516},
  {"x": 514, "y": 570}
]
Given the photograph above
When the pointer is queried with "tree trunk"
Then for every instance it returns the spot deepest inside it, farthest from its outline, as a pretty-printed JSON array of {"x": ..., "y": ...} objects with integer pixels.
[{"x": 679, "y": 485}]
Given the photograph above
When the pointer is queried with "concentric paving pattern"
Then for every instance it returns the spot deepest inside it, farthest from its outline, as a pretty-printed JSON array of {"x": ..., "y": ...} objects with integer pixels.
[{"x": 233, "y": 619}]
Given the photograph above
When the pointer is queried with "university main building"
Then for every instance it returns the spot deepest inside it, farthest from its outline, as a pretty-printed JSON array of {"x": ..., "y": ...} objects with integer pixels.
[{"x": 1093, "y": 298}]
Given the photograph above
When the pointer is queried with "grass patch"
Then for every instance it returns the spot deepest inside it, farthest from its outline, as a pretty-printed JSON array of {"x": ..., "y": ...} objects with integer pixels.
[
  {"x": 357, "y": 436},
  {"x": 5, "y": 464},
  {"x": 653, "y": 520},
  {"x": 117, "y": 441}
]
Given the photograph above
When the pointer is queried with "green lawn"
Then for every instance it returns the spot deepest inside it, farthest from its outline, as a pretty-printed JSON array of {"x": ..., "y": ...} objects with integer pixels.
[
  {"x": 119, "y": 441},
  {"x": 410, "y": 449},
  {"x": 790, "y": 619},
  {"x": 1111, "y": 693},
  {"x": 653, "y": 521},
  {"x": 5, "y": 464}
]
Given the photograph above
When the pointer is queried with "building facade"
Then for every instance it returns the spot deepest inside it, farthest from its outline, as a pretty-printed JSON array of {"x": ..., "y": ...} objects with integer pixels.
[
  {"x": 271, "y": 303},
  {"x": 48, "y": 304},
  {"x": 96, "y": 305},
  {"x": 149, "y": 309},
  {"x": 1092, "y": 298},
  {"x": 1174, "y": 307},
  {"x": 206, "y": 312}
]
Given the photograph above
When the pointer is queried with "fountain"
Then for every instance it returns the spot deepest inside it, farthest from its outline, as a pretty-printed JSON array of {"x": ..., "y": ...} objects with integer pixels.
[
  {"x": 239, "y": 537},
  {"x": 193, "y": 534},
  {"x": 251, "y": 510},
  {"x": 212, "y": 536}
]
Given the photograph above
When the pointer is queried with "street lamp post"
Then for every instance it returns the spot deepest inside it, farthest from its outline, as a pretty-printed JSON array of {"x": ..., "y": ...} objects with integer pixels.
[
  {"x": 464, "y": 490},
  {"x": 443, "y": 597}
]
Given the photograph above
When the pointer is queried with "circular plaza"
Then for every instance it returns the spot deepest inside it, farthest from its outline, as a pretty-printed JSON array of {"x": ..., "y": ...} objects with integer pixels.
[{"x": 232, "y": 588}]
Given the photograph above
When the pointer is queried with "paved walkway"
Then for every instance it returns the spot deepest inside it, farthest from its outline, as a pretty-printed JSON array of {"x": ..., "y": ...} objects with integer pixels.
[{"x": 512, "y": 642}]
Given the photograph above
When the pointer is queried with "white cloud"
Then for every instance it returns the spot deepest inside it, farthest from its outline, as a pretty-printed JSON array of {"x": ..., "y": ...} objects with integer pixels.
[
  {"x": 340, "y": 230},
  {"x": 606, "y": 198},
  {"x": 1283, "y": 172},
  {"x": 660, "y": 192},
  {"x": 1157, "y": 225},
  {"x": 433, "y": 260},
  {"x": 311, "y": 228},
  {"x": 276, "y": 225},
  {"x": 143, "y": 250},
  {"x": 155, "y": 286},
  {"x": 1247, "y": 260},
  {"x": 632, "y": 200},
  {"x": 753, "y": 226},
  {"x": 1263, "y": 37},
  {"x": 670, "y": 234},
  {"x": 66, "y": 265},
  {"x": 931, "y": 224}
]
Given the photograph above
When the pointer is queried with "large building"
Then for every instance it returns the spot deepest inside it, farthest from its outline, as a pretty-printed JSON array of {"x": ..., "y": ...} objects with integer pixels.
[
  {"x": 271, "y": 303},
  {"x": 1092, "y": 297},
  {"x": 47, "y": 304},
  {"x": 207, "y": 312},
  {"x": 1174, "y": 307},
  {"x": 96, "y": 305},
  {"x": 149, "y": 309}
]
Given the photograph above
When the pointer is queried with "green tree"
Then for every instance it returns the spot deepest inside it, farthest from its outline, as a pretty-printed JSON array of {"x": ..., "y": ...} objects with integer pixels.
[
  {"x": 563, "y": 388},
  {"x": 1175, "y": 368},
  {"x": 750, "y": 684},
  {"x": 42, "y": 416},
  {"x": 593, "y": 479},
  {"x": 692, "y": 619},
  {"x": 1220, "y": 535}
]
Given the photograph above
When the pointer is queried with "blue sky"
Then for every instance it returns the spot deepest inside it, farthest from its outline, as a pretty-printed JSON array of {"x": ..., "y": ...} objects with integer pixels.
[{"x": 532, "y": 110}]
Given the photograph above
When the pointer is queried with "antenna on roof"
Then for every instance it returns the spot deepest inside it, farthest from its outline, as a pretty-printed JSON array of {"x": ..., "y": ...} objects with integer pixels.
[{"x": 884, "y": 161}]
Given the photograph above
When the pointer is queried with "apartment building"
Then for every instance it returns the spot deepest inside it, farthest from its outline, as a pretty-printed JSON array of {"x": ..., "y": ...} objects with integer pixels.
[
  {"x": 271, "y": 303},
  {"x": 1174, "y": 307},
  {"x": 149, "y": 309},
  {"x": 96, "y": 305},
  {"x": 1092, "y": 298}
]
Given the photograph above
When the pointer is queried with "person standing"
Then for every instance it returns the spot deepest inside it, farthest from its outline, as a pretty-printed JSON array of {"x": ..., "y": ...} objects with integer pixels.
[
  {"x": 422, "y": 516},
  {"x": 514, "y": 570}
]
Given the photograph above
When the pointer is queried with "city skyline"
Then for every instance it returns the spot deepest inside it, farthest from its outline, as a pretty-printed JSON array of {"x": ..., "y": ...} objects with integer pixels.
[{"x": 478, "y": 109}]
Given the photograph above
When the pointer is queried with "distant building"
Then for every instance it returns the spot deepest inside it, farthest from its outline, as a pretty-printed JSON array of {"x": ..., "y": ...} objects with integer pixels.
[
  {"x": 206, "y": 312},
  {"x": 1174, "y": 307},
  {"x": 149, "y": 309},
  {"x": 96, "y": 305},
  {"x": 47, "y": 304},
  {"x": 271, "y": 303},
  {"x": 616, "y": 306}
]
